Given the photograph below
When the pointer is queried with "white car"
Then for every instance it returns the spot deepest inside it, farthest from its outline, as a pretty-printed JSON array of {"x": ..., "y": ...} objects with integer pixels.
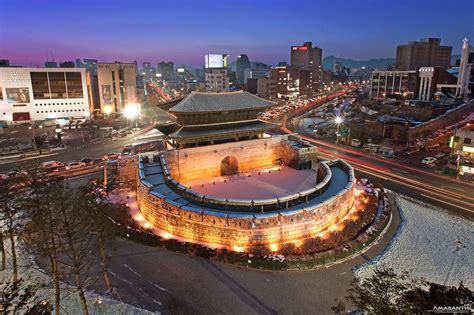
[
  {"x": 440, "y": 155},
  {"x": 430, "y": 161}
]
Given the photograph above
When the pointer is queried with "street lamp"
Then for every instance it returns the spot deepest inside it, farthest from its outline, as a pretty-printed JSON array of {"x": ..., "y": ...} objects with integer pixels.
[
  {"x": 32, "y": 128},
  {"x": 131, "y": 111},
  {"x": 338, "y": 120}
]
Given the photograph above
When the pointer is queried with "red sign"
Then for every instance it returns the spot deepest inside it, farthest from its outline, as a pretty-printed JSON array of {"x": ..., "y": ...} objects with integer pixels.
[
  {"x": 303, "y": 48},
  {"x": 21, "y": 116}
]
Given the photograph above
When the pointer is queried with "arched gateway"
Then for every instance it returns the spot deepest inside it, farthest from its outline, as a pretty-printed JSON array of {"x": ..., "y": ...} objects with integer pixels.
[{"x": 229, "y": 166}]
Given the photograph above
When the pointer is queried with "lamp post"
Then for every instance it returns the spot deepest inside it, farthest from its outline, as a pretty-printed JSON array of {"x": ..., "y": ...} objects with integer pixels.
[
  {"x": 338, "y": 120},
  {"x": 32, "y": 128}
]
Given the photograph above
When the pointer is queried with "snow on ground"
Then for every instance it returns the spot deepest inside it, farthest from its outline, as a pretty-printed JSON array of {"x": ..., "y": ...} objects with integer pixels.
[
  {"x": 29, "y": 271},
  {"x": 429, "y": 243}
]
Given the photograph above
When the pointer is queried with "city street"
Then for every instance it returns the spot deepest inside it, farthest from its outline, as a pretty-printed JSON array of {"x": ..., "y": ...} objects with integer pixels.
[
  {"x": 440, "y": 190},
  {"x": 153, "y": 278}
]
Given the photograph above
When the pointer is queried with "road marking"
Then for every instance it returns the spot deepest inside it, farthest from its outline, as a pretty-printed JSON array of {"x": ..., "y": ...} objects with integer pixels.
[
  {"x": 420, "y": 189},
  {"x": 448, "y": 203}
]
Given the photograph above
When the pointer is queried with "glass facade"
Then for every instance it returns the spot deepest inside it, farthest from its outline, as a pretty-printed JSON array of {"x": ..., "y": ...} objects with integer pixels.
[
  {"x": 56, "y": 85},
  {"x": 39, "y": 81},
  {"x": 74, "y": 85}
]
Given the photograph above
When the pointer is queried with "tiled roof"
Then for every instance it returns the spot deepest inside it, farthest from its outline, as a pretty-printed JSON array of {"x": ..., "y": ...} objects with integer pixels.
[
  {"x": 222, "y": 101},
  {"x": 193, "y": 131}
]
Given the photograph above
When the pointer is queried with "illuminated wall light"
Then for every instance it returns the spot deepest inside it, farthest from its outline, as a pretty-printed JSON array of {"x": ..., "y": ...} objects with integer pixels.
[
  {"x": 238, "y": 249},
  {"x": 273, "y": 247}
]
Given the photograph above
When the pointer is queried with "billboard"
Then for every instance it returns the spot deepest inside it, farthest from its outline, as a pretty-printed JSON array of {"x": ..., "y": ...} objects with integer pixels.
[
  {"x": 215, "y": 61},
  {"x": 18, "y": 95},
  {"x": 107, "y": 94}
]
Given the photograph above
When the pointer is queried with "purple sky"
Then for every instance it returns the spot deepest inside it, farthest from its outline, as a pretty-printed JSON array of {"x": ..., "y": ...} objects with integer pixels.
[{"x": 32, "y": 31}]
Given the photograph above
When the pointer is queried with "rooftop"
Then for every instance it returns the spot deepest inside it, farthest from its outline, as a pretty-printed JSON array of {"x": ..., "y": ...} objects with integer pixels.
[
  {"x": 205, "y": 130},
  {"x": 222, "y": 101}
]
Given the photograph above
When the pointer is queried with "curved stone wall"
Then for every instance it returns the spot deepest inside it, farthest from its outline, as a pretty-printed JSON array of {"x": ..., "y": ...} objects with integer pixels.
[{"x": 238, "y": 229}]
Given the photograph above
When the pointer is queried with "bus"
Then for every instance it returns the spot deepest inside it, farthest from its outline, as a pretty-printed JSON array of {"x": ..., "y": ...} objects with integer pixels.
[{"x": 143, "y": 146}]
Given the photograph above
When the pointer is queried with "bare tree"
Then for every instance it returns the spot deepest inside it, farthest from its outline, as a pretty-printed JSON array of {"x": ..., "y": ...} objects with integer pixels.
[
  {"x": 95, "y": 203},
  {"x": 11, "y": 215},
  {"x": 42, "y": 199},
  {"x": 2, "y": 250}
]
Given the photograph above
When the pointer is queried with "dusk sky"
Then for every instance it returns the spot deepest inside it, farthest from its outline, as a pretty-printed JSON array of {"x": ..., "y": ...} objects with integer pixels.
[{"x": 183, "y": 31}]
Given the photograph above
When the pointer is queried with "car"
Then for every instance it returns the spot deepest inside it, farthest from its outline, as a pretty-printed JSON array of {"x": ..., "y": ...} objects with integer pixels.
[
  {"x": 86, "y": 161},
  {"x": 429, "y": 161},
  {"x": 111, "y": 156},
  {"x": 51, "y": 164},
  {"x": 122, "y": 134},
  {"x": 73, "y": 165},
  {"x": 440, "y": 155},
  {"x": 97, "y": 161}
]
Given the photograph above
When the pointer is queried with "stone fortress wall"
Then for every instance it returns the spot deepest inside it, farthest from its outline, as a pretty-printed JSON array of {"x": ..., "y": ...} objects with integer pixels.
[{"x": 237, "y": 230}]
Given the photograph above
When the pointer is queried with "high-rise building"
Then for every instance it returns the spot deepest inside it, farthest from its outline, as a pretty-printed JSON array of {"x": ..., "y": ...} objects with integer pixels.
[
  {"x": 51, "y": 64},
  {"x": 117, "y": 86},
  {"x": 4, "y": 63},
  {"x": 337, "y": 66},
  {"x": 217, "y": 80},
  {"x": 92, "y": 82},
  {"x": 165, "y": 70},
  {"x": 256, "y": 73},
  {"x": 309, "y": 58},
  {"x": 290, "y": 81},
  {"x": 148, "y": 71},
  {"x": 242, "y": 64},
  {"x": 67, "y": 64},
  {"x": 37, "y": 94},
  {"x": 424, "y": 53},
  {"x": 306, "y": 55}
]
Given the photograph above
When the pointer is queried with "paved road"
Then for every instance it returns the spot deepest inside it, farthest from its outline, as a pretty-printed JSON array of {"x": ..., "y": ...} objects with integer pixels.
[
  {"x": 440, "y": 190},
  {"x": 161, "y": 280}
]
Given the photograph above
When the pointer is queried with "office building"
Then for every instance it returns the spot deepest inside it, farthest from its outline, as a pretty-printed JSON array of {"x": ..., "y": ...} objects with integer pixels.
[
  {"x": 217, "y": 80},
  {"x": 260, "y": 72},
  {"x": 290, "y": 81},
  {"x": 306, "y": 55},
  {"x": 309, "y": 58},
  {"x": 260, "y": 87},
  {"x": 424, "y": 53},
  {"x": 242, "y": 64},
  {"x": 165, "y": 70},
  {"x": 117, "y": 86},
  {"x": 39, "y": 94},
  {"x": 393, "y": 84},
  {"x": 337, "y": 66},
  {"x": 148, "y": 72}
]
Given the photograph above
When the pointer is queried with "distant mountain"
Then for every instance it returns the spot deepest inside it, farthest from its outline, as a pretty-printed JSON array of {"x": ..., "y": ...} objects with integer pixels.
[{"x": 351, "y": 63}]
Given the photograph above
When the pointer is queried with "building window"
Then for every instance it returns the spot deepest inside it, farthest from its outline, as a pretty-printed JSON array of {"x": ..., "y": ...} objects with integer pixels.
[
  {"x": 39, "y": 82},
  {"x": 57, "y": 84}
]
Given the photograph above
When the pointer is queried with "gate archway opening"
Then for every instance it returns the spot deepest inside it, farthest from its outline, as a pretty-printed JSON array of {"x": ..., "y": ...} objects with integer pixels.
[{"x": 229, "y": 166}]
